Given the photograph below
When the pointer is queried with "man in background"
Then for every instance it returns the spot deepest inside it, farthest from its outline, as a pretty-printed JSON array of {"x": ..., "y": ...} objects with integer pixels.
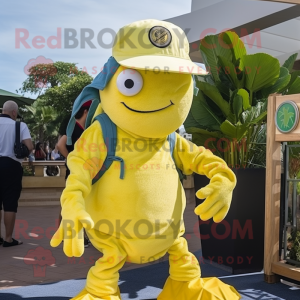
[
  {"x": 11, "y": 170},
  {"x": 55, "y": 155}
]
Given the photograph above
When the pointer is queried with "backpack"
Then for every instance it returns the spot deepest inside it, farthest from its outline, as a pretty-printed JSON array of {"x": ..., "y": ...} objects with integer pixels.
[{"x": 109, "y": 131}]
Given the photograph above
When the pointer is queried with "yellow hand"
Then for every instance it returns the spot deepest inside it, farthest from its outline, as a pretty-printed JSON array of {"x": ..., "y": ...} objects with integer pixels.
[
  {"x": 71, "y": 231},
  {"x": 218, "y": 194}
]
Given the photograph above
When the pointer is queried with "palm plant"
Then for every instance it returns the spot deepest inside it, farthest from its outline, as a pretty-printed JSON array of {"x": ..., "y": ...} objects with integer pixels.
[
  {"x": 42, "y": 120},
  {"x": 228, "y": 115}
]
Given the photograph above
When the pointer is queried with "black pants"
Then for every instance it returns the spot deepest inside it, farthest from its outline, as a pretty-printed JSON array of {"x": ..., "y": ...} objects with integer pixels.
[{"x": 11, "y": 173}]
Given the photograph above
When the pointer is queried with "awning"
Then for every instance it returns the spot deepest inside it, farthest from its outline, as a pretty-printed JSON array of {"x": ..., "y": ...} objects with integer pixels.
[{"x": 20, "y": 100}]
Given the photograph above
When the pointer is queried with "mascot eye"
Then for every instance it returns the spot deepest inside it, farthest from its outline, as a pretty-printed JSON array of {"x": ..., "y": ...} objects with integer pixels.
[{"x": 129, "y": 82}]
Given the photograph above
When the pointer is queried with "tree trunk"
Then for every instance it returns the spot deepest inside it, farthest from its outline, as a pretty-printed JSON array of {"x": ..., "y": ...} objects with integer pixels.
[{"x": 41, "y": 134}]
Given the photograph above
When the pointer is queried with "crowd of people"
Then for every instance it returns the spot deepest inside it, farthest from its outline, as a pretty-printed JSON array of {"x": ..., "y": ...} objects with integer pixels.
[
  {"x": 11, "y": 167},
  {"x": 42, "y": 151}
]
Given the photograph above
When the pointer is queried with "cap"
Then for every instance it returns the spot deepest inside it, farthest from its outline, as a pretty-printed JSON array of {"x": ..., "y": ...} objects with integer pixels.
[
  {"x": 154, "y": 45},
  {"x": 87, "y": 104}
]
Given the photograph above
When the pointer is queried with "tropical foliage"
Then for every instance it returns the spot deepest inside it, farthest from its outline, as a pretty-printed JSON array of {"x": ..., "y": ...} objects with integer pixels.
[
  {"x": 57, "y": 86},
  {"x": 44, "y": 76},
  {"x": 43, "y": 120},
  {"x": 228, "y": 115}
]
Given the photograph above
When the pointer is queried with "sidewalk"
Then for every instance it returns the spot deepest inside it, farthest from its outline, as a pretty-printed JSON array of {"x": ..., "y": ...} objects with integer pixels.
[{"x": 15, "y": 267}]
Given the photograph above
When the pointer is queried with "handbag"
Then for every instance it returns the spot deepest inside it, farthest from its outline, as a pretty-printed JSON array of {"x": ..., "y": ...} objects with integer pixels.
[{"x": 21, "y": 150}]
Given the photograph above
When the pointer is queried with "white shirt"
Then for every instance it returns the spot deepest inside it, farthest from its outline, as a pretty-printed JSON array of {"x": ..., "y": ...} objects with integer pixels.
[
  {"x": 8, "y": 135},
  {"x": 55, "y": 155}
]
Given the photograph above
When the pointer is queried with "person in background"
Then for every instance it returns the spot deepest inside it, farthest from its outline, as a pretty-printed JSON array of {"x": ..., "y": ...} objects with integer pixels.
[
  {"x": 39, "y": 153},
  {"x": 48, "y": 151},
  {"x": 65, "y": 149},
  {"x": 55, "y": 153},
  {"x": 11, "y": 169}
]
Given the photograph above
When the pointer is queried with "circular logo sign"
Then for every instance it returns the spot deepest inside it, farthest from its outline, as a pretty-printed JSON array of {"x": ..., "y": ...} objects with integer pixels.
[
  {"x": 287, "y": 116},
  {"x": 160, "y": 36}
]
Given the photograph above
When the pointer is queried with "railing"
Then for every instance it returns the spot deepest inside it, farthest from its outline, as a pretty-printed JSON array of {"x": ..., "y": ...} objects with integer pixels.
[{"x": 39, "y": 167}]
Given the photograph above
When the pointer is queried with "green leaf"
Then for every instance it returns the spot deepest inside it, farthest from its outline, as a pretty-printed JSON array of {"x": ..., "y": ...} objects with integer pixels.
[
  {"x": 234, "y": 131},
  {"x": 204, "y": 132},
  {"x": 281, "y": 83},
  {"x": 261, "y": 71},
  {"x": 228, "y": 129},
  {"x": 259, "y": 119},
  {"x": 210, "y": 49},
  {"x": 294, "y": 76},
  {"x": 245, "y": 95},
  {"x": 202, "y": 137},
  {"x": 190, "y": 121},
  {"x": 235, "y": 44},
  {"x": 224, "y": 89},
  {"x": 231, "y": 71},
  {"x": 237, "y": 105},
  {"x": 289, "y": 63},
  {"x": 295, "y": 87},
  {"x": 203, "y": 114},
  {"x": 213, "y": 93},
  {"x": 231, "y": 118},
  {"x": 253, "y": 115}
]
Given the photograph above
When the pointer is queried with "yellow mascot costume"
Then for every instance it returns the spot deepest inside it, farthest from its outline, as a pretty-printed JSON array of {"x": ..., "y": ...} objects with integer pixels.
[{"x": 126, "y": 193}]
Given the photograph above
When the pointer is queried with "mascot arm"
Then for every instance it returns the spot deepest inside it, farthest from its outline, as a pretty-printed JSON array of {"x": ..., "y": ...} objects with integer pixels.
[
  {"x": 218, "y": 193},
  {"x": 84, "y": 163}
]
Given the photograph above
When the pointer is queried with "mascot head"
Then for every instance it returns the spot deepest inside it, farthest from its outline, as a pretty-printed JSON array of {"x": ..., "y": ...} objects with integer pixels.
[{"x": 146, "y": 87}]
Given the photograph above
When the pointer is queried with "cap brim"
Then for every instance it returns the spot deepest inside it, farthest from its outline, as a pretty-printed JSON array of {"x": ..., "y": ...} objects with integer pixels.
[{"x": 161, "y": 64}]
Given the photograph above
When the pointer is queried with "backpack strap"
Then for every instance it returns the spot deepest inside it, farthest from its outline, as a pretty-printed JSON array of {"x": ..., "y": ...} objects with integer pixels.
[
  {"x": 109, "y": 131},
  {"x": 172, "y": 140},
  {"x": 17, "y": 130}
]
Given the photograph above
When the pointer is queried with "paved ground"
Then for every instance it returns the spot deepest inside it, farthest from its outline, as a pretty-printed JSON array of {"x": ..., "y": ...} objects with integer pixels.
[{"x": 16, "y": 268}]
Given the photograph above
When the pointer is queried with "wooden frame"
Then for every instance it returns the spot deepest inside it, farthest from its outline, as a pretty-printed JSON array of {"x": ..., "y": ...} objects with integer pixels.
[{"x": 272, "y": 265}]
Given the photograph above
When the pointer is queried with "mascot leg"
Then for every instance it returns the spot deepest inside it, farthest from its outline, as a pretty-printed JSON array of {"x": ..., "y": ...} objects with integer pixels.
[
  {"x": 102, "y": 279},
  {"x": 184, "y": 282}
]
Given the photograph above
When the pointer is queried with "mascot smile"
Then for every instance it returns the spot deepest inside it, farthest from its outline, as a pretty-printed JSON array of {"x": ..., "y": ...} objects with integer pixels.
[{"x": 124, "y": 188}]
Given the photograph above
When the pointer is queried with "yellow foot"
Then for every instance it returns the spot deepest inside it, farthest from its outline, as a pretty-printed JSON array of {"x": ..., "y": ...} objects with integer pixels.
[
  {"x": 198, "y": 289},
  {"x": 85, "y": 295}
]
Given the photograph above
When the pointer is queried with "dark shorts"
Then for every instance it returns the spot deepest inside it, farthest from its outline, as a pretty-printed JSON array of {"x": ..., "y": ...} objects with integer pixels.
[{"x": 11, "y": 173}]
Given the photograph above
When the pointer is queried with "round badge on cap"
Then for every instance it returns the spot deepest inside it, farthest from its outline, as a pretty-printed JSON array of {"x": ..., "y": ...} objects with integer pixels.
[{"x": 160, "y": 36}]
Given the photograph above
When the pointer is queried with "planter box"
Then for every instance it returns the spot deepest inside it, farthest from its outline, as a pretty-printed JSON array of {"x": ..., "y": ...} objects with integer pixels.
[{"x": 238, "y": 241}]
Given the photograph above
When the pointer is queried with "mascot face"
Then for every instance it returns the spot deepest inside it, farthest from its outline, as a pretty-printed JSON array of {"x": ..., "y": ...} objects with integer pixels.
[{"x": 146, "y": 103}]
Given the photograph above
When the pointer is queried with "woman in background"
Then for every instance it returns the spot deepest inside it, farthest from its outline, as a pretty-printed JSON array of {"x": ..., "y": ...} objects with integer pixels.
[{"x": 39, "y": 153}]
